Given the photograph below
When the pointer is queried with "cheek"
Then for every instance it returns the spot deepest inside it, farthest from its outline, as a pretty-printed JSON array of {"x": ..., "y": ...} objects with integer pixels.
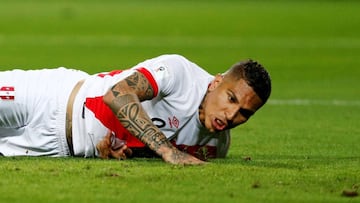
[
  {"x": 240, "y": 120},
  {"x": 221, "y": 101},
  {"x": 216, "y": 102},
  {"x": 220, "y": 105},
  {"x": 213, "y": 101}
]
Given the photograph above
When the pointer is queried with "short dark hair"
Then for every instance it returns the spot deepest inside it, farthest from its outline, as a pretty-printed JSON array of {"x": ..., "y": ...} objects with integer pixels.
[{"x": 255, "y": 76}]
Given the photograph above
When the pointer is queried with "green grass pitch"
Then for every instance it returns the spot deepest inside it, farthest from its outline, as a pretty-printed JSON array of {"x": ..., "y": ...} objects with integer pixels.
[{"x": 303, "y": 146}]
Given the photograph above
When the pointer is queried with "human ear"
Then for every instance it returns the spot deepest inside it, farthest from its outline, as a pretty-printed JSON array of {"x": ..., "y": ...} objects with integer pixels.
[{"x": 216, "y": 81}]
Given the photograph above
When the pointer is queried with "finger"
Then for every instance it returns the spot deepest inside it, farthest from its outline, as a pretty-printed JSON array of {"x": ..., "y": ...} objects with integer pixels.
[
  {"x": 128, "y": 152},
  {"x": 119, "y": 153},
  {"x": 190, "y": 160},
  {"x": 181, "y": 158}
]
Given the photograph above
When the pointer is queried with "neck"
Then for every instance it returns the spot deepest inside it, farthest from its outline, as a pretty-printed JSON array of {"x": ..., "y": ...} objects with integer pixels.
[{"x": 201, "y": 111}]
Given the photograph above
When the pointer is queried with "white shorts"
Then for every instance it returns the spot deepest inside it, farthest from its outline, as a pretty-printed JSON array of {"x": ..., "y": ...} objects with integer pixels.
[{"x": 33, "y": 111}]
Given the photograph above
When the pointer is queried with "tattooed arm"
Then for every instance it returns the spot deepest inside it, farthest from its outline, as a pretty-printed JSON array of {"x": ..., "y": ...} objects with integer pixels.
[{"x": 124, "y": 100}]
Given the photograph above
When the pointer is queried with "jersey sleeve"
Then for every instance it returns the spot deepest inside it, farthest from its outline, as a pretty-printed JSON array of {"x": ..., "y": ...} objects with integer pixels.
[
  {"x": 166, "y": 73},
  {"x": 216, "y": 147}
]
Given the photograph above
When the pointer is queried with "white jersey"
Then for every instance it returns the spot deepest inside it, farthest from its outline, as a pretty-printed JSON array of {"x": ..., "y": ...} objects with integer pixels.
[
  {"x": 33, "y": 106},
  {"x": 179, "y": 87}
]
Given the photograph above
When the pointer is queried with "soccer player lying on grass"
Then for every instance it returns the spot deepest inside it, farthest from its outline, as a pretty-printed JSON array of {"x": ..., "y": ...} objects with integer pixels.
[{"x": 165, "y": 106}]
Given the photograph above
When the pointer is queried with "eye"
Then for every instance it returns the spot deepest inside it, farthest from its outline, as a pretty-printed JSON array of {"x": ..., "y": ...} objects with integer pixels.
[{"x": 231, "y": 99}]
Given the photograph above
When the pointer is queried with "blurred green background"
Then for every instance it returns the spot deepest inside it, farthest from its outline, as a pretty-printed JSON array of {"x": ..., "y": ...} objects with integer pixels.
[
  {"x": 311, "y": 48},
  {"x": 304, "y": 144}
]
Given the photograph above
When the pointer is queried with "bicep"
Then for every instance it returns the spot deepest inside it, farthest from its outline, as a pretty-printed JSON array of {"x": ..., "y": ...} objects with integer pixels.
[{"x": 137, "y": 84}]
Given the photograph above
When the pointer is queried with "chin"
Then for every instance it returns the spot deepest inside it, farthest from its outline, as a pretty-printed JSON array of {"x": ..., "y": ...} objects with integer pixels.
[
  {"x": 211, "y": 130},
  {"x": 209, "y": 127}
]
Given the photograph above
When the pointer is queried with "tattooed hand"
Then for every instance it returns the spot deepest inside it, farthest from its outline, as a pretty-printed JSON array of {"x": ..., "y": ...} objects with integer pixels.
[{"x": 174, "y": 156}]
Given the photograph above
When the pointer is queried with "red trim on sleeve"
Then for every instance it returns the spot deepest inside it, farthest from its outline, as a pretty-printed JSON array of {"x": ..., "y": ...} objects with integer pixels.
[
  {"x": 112, "y": 73},
  {"x": 202, "y": 152},
  {"x": 150, "y": 78}
]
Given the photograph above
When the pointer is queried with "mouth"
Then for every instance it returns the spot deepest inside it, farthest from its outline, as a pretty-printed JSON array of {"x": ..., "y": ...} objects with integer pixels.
[{"x": 218, "y": 124}]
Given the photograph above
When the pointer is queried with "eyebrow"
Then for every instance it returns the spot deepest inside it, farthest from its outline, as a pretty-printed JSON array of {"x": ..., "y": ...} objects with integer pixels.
[{"x": 246, "y": 112}]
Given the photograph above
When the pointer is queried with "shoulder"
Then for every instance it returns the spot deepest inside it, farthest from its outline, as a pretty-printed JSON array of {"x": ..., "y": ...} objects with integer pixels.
[
  {"x": 179, "y": 66},
  {"x": 176, "y": 57},
  {"x": 173, "y": 73},
  {"x": 171, "y": 67},
  {"x": 171, "y": 61}
]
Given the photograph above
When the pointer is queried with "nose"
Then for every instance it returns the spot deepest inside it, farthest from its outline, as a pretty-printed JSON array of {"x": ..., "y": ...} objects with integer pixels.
[
  {"x": 231, "y": 114},
  {"x": 234, "y": 117}
]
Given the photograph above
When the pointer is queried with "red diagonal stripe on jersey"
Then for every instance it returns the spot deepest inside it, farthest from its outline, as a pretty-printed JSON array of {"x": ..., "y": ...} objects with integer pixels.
[{"x": 104, "y": 114}]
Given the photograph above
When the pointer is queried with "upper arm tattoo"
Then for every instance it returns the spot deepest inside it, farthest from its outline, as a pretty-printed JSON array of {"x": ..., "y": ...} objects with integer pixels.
[{"x": 136, "y": 82}]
